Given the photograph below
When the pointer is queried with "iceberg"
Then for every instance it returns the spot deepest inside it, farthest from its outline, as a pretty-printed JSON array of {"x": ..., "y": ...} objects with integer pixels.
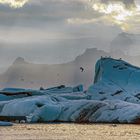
[
  {"x": 114, "y": 97},
  {"x": 59, "y": 109},
  {"x": 115, "y": 79}
]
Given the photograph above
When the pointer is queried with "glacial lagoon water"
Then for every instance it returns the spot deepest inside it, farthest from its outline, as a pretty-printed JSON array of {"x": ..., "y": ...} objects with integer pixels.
[{"x": 70, "y": 132}]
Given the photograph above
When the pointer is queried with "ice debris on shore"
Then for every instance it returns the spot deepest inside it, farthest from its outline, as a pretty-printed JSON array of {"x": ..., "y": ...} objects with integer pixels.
[{"x": 5, "y": 123}]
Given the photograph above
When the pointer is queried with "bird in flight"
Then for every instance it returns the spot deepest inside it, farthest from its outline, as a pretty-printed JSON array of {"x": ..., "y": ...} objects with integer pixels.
[{"x": 82, "y": 69}]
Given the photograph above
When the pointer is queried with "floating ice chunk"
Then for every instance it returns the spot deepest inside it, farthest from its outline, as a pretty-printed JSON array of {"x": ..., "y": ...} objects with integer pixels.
[{"x": 5, "y": 123}]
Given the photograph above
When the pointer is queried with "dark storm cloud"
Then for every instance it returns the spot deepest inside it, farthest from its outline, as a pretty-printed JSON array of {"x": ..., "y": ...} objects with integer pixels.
[
  {"x": 40, "y": 13},
  {"x": 39, "y": 31},
  {"x": 127, "y": 3}
]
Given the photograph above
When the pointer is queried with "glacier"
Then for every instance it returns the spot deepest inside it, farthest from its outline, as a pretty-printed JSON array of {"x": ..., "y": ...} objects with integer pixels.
[{"x": 113, "y": 97}]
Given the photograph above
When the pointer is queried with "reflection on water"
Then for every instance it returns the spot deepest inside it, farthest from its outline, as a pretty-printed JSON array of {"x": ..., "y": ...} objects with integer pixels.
[{"x": 70, "y": 132}]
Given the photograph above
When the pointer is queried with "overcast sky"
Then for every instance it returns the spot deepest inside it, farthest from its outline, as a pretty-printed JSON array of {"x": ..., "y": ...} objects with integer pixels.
[{"x": 56, "y": 31}]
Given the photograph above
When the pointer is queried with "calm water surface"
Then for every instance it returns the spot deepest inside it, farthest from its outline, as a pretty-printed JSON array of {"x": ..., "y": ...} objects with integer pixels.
[{"x": 70, "y": 132}]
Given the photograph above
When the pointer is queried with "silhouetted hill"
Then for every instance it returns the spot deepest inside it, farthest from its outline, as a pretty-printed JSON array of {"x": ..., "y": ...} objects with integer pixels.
[
  {"x": 28, "y": 75},
  {"x": 128, "y": 43}
]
